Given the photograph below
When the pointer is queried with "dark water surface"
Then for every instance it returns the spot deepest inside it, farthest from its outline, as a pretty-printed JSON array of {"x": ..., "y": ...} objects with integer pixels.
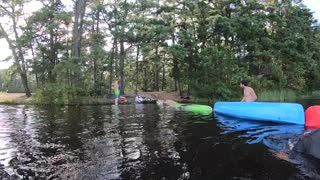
[{"x": 136, "y": 142}]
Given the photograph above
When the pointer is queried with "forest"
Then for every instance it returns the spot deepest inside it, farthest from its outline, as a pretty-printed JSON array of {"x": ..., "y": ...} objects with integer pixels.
[{"x": 202, "y": 48}]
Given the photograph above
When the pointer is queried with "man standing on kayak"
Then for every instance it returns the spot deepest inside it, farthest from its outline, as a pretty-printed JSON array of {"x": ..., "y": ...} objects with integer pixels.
[{"x": 248, "y": 93}]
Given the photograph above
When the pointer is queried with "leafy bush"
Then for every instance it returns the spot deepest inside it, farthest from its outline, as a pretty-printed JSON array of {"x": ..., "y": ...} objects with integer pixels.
[
  {"x": 57, "y": 94},
  {"x": 213, "y": 91},
  {"x": 50, "y": 94}
]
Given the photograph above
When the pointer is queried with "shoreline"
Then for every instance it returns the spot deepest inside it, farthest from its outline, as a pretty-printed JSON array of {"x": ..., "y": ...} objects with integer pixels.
[
  {"x": 22, "y": 99},
  {"x": 14, "y": 99}
]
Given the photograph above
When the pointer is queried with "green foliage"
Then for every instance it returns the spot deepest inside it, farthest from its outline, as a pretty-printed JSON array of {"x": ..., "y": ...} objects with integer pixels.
[
  {"x": 199, "y": 47},
  {"x": 57, "y": 94},
  {"x": 51, "y": 94},
  {"x": 10, "y": 80},
  {"x": 315, "y": 93},
  {"x": 277, "y": 95}
]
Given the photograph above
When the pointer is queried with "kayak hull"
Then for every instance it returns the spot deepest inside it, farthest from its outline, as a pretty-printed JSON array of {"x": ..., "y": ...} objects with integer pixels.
[{"x": 292, "y": 113}]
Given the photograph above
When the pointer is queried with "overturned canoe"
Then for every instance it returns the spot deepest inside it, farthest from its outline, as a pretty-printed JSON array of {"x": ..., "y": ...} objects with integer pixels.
[{"x": 263, "y": 111}]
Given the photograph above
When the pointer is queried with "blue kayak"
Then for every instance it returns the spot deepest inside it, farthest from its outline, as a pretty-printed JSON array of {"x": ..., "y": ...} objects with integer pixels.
[{"x": 262, "y": 111}]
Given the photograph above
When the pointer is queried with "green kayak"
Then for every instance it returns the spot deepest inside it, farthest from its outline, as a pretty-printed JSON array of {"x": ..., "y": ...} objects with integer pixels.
[{"x": 195, "y": 108}]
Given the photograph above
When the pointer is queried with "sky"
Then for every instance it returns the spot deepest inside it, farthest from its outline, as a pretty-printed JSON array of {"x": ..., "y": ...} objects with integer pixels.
[
  {"x": 4, "y": 48},
  {"x": 314, "y": 5}
]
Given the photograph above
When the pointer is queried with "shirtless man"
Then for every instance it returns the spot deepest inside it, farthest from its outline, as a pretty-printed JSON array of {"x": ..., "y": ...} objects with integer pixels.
[{"x": 249, "y": 94}]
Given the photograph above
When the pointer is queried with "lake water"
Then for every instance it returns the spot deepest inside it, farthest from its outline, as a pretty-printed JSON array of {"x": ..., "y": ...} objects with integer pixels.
[{"x": 137, "y": 142}]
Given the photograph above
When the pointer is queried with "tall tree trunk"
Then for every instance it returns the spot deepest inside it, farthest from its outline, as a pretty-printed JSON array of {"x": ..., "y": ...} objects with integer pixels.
[
  {"x": 116, "y": 60},
  {"x": 145, "y": 80},
  {"x": 79, "y": 12},
  {"x": 190, "y": 70},
  {"x": 24, "y": 79},
  {"x": 163, "y": 77},
  {"x": 93, "y": 58},
  {"x": 121, "y": 66},
  {"x": 175, "y": 74},
  {"x": 68, "y": 49},
  {"x": 95, "y": 76},
  {"x": 18, "y": 57},
  {"x": 157, "y": 66},
  {"x": 43, "y": 76},
  {"x": 137, "y": 67},
  {"x": 52, "y": 58},
  {"x": 76, "y": 38},
  {"x": 19, "y": 60},
  {"x": 83, "y": 12},
  {"x": 157, "y": 70},
  {"x": 23, "y": 72},
  {"x": 175, "y": 69},
  {"x": 34, "y": 64},
  {"x": 97, "y": 87},
  {"x": 111, "y": 65}
]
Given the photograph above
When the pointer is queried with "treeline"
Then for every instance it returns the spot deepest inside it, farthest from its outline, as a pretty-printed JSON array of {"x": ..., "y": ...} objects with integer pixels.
[
  {"x": 199, "y": 47},
  {"x": 10, "y": 82}
]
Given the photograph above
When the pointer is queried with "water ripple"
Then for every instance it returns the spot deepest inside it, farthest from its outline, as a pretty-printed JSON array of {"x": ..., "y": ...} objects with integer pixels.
[
  {"x": 256, "y": 131},
  {"x": 128, "y": 142}
]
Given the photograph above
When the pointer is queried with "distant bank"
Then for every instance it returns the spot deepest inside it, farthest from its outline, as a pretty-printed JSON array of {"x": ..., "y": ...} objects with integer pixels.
[{"x": 21, "y": 98}]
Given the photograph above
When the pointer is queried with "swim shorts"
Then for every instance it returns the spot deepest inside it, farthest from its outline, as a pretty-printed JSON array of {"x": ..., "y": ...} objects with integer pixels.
[{"x": 117, "y": 93}]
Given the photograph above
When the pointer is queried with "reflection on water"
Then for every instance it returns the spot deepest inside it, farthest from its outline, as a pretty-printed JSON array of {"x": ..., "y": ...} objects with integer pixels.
[
  {"x": 280, "y": 138},
  {"x": 133, "y": 142},
  {"x": 257, "y": 131}
]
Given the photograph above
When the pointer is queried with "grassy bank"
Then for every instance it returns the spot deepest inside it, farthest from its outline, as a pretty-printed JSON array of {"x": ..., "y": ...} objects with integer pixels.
[
  {"x": 274, "y": 95},
  {"x": 285, "y": 95},
  {"x": 21, "y": 99},
  {"x": 14, "y": 98},
  {"x": 95, "y": 101},
  {"x": 312, "y": 95},
  {"x": 206, "y": 101}
]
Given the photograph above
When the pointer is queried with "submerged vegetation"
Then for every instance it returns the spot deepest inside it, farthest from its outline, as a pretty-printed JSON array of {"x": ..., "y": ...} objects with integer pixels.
[{"x": 200, "y": 48}]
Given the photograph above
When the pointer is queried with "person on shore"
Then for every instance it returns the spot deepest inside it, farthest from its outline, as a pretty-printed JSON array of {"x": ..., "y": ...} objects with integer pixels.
[
  {"x": 116, "y": 92},
  {"x": 248, "y": 93},
  {"x": 138, "y": 99}
]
